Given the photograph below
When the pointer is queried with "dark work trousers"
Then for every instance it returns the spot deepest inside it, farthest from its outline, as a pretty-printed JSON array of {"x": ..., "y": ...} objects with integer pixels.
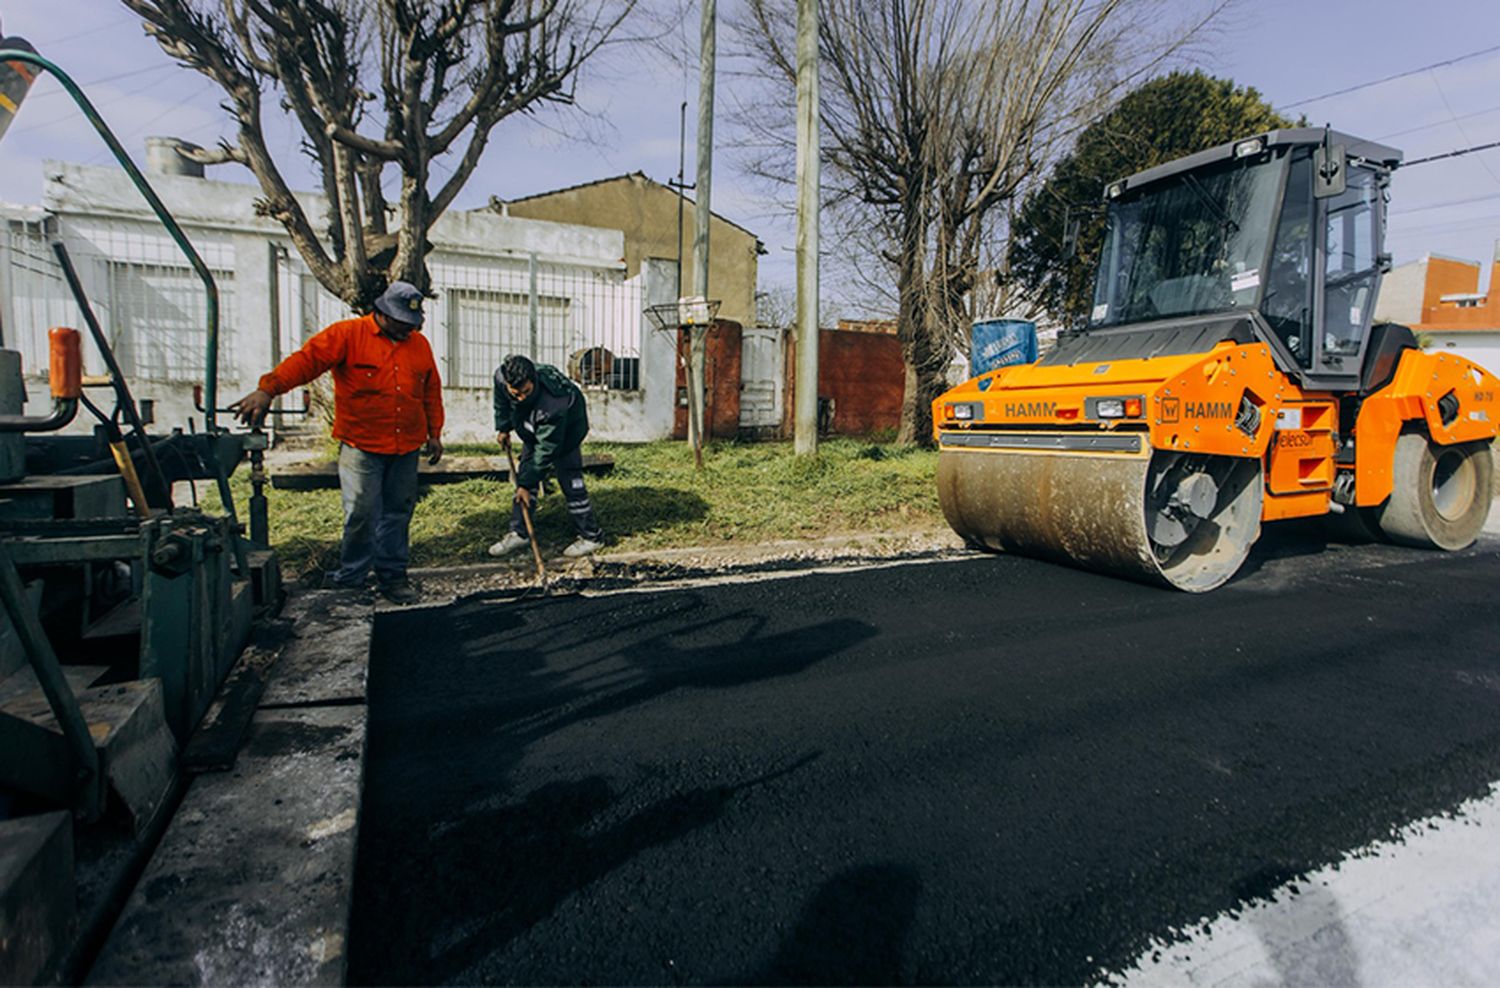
[
  {"x": 379, "y": 493},
  {"x": 569, "y": 472}
]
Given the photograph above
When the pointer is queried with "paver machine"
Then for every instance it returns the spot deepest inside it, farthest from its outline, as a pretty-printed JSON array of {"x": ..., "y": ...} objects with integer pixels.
[
  {"x": 121, "y": 614},
  {"x": 1229, "y": 374}
]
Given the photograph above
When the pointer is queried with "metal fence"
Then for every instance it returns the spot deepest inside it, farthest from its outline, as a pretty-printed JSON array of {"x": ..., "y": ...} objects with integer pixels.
[
  {"x": 149, "y": 302},
  {"x": 583, "y": 320}
]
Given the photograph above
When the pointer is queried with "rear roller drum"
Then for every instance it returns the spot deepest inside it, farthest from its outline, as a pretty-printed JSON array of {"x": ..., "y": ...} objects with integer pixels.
[{"x": 1441, "y": 494}]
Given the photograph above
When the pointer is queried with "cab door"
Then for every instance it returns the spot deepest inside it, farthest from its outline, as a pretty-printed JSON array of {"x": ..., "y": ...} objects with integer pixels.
[{"x": 1349, "y": 264}]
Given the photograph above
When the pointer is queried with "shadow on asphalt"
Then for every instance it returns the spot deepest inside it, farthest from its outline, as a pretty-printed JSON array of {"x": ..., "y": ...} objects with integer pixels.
[
  {"x": 1024, "y": 772},
  {"x": 852, "y": 932},
  {"x": 496, "y": 863}
]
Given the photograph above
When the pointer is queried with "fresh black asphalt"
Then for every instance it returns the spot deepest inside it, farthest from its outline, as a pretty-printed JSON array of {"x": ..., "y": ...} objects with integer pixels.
[{"x": 992, "y": 770}]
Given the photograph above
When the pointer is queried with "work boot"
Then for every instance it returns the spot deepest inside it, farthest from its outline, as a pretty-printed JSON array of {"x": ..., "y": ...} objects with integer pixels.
[
  {"x": 511, "y": 543},
  {"x": 400, "y": 591},
  {"x": 332, "y": 582},
  {"x": 582, "y": 547}
]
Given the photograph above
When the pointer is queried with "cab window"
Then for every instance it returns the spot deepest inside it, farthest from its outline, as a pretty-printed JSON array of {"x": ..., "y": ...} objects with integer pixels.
[{"x": 1350, "y": 265}]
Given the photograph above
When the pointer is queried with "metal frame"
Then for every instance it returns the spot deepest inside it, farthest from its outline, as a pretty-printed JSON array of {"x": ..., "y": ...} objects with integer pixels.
[{"x": 211, "y": 342}]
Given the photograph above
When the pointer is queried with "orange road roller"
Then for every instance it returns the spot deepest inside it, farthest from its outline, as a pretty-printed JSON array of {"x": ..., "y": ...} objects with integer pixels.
[{"x": 1229, "y": 374}]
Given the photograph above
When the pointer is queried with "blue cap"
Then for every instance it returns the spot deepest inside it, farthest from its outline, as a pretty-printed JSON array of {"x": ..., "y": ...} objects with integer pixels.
[{"x": 402, "y": 301}]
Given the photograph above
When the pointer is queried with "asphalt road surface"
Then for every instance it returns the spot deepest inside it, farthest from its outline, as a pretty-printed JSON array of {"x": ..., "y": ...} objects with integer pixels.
[{"x": 993, "y": 770}]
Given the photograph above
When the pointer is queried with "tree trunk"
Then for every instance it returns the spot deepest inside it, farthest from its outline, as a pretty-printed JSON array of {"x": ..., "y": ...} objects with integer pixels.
[{"x": 910, "y": 267}]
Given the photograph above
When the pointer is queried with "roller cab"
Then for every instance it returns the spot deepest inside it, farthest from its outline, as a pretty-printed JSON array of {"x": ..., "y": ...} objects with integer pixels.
[{"x": 1228, "y": 375}]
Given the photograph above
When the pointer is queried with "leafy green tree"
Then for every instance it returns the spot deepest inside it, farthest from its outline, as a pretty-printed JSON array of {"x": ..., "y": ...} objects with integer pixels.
[{"x": 1164, "y": 119}]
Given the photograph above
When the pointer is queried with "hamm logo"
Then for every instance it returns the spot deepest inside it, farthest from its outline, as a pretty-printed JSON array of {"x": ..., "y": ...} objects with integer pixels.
[
  {"x": 1030, "y": 409},
  {"x": 1210, "y": 410},
  {"x": 1171, "y": 410}
]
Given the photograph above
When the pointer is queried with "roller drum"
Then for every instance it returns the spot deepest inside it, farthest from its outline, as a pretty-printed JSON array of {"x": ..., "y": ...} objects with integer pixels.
[{"x": 1100, "y": 511}]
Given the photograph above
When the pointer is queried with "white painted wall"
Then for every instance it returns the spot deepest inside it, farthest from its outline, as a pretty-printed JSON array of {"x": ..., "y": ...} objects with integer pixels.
[
  {"x": 1401, "y": 291},
  {"x": 98, "y": 212}
]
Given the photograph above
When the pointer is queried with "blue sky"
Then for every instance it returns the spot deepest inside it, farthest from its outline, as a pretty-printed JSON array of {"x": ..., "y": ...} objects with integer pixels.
[{"x": 1288, "y": 49}]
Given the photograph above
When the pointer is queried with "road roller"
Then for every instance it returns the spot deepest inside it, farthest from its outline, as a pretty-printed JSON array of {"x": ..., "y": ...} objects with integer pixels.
[{"x": 1230, "y": 373}]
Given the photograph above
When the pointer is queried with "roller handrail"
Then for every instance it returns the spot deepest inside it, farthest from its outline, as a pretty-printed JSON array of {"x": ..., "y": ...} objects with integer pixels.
[
  {"x": 64, "y": 410},
  {"x": 211, "y": 370}
]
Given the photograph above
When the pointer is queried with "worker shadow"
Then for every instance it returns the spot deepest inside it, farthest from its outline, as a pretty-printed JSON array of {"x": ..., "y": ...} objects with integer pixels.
[
  {"x": 852, "y": 932},
  {"x": 482, "y": 882},
  {"x": 444, "y": 875},
  {"x": 658, "y": 665},
  {"x": 543, "y": 693}
]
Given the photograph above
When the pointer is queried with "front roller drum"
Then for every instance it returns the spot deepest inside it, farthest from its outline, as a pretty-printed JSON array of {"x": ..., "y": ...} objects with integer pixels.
[{"x": 1183, "y": 520}]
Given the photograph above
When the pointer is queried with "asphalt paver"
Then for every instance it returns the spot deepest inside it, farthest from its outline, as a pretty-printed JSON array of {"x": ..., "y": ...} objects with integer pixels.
[{"x": 992, "y": 770}]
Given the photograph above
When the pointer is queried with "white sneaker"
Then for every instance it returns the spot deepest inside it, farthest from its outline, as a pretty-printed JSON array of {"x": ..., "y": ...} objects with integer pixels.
[
  {"x": 511, "y": 543},
  {"x": 582, "y": 547}
]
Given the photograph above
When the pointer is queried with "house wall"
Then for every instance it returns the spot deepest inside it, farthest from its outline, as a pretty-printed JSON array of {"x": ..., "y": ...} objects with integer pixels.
[
  {"x": 646, "y": 212},
  {"x": 270, "y": 303},
  {"x": 1401, "y": 294}
]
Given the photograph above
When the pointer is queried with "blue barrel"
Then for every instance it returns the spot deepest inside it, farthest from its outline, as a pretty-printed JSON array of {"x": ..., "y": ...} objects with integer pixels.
[{"x": 1000, "y": 343}]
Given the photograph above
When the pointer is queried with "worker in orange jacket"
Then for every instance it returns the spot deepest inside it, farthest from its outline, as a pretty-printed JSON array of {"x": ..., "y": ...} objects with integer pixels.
[{"x": 387, "y": 406}]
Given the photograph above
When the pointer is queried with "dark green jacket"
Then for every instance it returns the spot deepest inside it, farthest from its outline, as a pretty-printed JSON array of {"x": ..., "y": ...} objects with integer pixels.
[{"x": 552, "y": 422}]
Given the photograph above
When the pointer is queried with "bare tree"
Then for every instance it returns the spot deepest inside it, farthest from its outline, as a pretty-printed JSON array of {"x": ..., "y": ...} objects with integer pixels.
[
  {"x": 935, "y": 113},
  {"x": 377, "y": 84}
]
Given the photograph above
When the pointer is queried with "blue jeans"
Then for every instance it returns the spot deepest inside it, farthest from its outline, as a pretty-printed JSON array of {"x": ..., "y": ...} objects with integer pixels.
[{"x": 379, "y": 493}]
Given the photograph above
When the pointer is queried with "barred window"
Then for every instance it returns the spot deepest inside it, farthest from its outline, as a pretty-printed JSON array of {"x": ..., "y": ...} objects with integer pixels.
[
  {"x": 484, "y": 327},
  {"x": 159, "y": 319}
]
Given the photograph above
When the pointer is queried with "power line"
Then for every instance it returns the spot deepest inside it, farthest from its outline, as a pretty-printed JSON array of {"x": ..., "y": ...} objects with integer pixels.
[
  {"x": 109, "y": 78},
  {"x": 73, "y": 36},
  {"x": 1439, "y": 123},
  {"x": 1461, "y": 132},
  {"x": 1391, "y": 78},
  {"x": 1451, "y": 154},
  {"x": 1454, "y": 226},
  {"x": 1444, "y": 205}
]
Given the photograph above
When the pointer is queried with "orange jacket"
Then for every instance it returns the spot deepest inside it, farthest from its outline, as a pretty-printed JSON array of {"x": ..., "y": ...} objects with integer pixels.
[{"x": 386, "y": 395}]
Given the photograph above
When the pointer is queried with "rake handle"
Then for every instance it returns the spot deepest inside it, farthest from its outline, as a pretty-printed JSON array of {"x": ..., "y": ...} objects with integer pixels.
[{"x": 536, "y": 552}]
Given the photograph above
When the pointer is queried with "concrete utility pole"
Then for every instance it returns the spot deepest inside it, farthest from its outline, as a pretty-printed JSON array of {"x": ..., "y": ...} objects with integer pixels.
[
  {"x": 702, "y": 212},
  {"x": 805, "y": 426}
]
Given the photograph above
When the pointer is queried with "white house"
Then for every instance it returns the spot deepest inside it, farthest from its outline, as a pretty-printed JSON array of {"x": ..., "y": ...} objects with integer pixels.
[{"x": 503, "y": 284}]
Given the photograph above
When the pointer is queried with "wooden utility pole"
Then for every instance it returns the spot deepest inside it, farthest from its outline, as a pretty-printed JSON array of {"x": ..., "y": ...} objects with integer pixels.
[
  {"x": 702, "y": 212},
  {"x": 805, "y": 425}
]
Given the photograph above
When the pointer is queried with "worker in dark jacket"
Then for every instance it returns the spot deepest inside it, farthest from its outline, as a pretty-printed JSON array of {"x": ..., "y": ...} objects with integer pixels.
[{"x": 549, "y": 413}]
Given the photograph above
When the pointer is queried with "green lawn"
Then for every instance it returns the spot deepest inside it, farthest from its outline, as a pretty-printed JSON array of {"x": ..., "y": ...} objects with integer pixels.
[{"x": 745, "y": 494}]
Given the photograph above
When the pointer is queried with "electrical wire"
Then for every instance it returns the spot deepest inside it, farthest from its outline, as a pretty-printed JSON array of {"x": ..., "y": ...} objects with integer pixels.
[
  {"x": 1461, "y": 132},
  {"x": 1451, "y": 154},
  {"x": 1439, "y": 123},
  {"x": 1444, "y": 205},
  {"x": 99, "y": 82},
  {"x": 1392, "y": 78}
]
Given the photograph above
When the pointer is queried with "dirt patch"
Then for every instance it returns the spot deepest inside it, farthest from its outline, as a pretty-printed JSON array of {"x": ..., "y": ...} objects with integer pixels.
[{"x": 616, "y": 570}]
